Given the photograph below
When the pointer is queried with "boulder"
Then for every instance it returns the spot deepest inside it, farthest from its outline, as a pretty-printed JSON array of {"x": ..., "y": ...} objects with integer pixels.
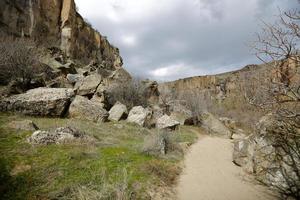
[
  {"x": 139, "y": 115},
  {"x": 63, "y": 135},
  {"x": 24, "y": 125},
  {"x": 118, "y": 112},
  {"x": 74, "y": 78},
  {"x": 166, "y": 122},
  {"x": 88, "y": 85},
  {"x": 39, "y": 102},
  {"x": 59, "y": 82},
  {"x": 84, "y": 108},
  {"x": 214, "y": 125}
]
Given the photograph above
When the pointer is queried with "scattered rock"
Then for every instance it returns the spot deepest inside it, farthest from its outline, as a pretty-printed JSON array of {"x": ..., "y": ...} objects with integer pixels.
[
  {"x": 213, "y": 125},
  {"x": 74, "y": 78},
  {"x": 25, "y": 125},
  {"x": 118, "y": 112},
  {"x": 63, "y": 135},
  {"x": 139, "y": 115},
  {"x": 84, "y": 108},
  {"x": 88, "y": 85},
  {"x": 39, "y": 102},
  {"x": 166, "y": 122}
]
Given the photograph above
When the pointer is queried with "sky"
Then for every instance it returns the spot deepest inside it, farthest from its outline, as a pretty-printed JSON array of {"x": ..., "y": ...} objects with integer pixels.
[{"x": 166, "y": 40}]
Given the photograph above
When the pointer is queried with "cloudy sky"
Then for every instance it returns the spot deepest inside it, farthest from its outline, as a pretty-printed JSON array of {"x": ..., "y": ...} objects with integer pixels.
[{"x": 171, "y": 39}]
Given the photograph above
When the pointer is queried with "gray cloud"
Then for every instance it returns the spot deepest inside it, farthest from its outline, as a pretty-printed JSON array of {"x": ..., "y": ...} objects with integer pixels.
[{"x": 167, "y": 40}]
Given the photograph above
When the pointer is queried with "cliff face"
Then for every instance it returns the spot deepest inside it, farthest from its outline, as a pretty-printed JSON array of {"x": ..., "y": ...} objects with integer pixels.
[
  {"x": 58, "y": 23},
  {"x": 228, "y": 94}
]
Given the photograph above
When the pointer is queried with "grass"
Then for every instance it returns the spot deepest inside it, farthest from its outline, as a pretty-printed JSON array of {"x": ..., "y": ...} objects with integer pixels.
[{"x": 113, "y": 168}]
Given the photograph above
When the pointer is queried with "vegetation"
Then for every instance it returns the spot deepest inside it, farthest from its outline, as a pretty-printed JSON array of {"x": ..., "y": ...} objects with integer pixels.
[
  {"x": 131, "y": 94},
  {"x": 279, "y": 43},
  {"x": 114, "y": 168}
]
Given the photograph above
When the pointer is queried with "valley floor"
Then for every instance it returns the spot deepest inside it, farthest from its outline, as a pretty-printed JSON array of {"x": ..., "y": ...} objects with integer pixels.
[{"x": 209, "y": 174}]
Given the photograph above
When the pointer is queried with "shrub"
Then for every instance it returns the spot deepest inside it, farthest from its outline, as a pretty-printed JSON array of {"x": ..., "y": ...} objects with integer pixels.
[
  {"x": 18, "y": 61},
  {"x": 132, "y": 94}
]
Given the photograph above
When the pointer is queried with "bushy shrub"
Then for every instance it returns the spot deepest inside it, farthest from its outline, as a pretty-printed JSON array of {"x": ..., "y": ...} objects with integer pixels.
[
  {"x": 18, "y": 61},
  {"x": 131, "y": 94}
]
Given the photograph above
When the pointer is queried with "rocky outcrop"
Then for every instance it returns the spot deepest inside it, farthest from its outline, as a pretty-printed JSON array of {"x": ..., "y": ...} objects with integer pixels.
[
  {"x": 214, "y": 125},
  {"x": 272, "y": 153},
  {"x": 83, "y": 108},
  {"x": 118, "y": 112},
  {"x": 39, "y": 102},
  {"x": 88, "y": 85},
  {"x": 57, "y": 23},
  {"x": 62, "y": 135}
]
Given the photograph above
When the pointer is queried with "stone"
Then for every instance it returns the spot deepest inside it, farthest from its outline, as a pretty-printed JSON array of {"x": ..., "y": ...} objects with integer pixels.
[
  {"x": 62, "y": 135},
  {"x": 182, "y": 118},
  {"x": 139, "y": 115},
  {"x": 24, "y": 125},
  {"x": 117, "y": 112},
  {"x": 155, "y": 144},
  {"x": 59, "y": 82},
  {"x": 88, "y": 85},
  {"x": 74, "y": 78},
  {"x": 214, "y": 125},
  {"x": 166, "y": 122},
  {"x": 68, "y": 68},
  {"x": 83, "y": 108},
  {"x": 39, "y": 102}
]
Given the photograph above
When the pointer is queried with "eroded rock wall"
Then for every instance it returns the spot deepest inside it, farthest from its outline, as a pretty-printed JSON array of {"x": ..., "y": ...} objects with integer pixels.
[{"x": 57, "y": 23}]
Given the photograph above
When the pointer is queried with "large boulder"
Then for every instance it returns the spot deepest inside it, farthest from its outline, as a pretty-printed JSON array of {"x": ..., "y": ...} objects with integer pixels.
[
  {"x": 88, "y": 85},
  {"x": 118, "y": 112},
  {"x": 139, "y": 115},
  {"x": 62, "y": 135},
  {"x": 39, "y": 102},
  {"x": 83, "y": 108},
  {"x": 272, "y": 153},
  {"x": 214, "y": 125},
  {"x": 166, "y": 122}
]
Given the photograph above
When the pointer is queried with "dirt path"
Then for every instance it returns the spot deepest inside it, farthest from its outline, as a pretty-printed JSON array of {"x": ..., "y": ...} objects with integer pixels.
[{"x": 209, "y": 174}]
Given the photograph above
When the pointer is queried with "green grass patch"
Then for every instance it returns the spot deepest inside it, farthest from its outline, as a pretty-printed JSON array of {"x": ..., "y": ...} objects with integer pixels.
[{"x": 113, "y": 166}]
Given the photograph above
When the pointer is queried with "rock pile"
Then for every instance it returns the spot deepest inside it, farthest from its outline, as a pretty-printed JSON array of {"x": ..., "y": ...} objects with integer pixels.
[{"x": 63, "y": 135}]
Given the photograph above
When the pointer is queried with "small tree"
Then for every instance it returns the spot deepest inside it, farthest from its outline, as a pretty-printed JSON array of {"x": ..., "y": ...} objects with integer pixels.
[{"x": 18, "y": 61}]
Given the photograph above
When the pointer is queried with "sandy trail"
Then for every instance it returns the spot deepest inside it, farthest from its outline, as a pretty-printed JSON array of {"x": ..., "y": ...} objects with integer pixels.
[{"x": 209, "y": 174}]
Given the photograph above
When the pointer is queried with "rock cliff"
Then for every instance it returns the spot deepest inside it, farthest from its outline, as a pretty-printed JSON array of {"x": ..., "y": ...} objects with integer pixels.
[
  {"x": 224, "y": 93},
  {"x": 59, "y": 24}
]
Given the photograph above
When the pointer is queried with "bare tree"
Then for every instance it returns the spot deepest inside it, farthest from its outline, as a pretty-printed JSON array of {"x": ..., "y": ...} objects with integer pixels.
[
  {"x": 278, "y": 46},
  {"x": 18, "y": 61}
]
